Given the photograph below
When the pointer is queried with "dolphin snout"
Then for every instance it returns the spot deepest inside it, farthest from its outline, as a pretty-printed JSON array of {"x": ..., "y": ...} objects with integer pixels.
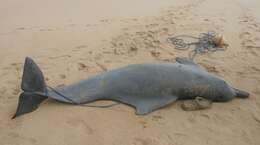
[{"x": 241, "y": 93}]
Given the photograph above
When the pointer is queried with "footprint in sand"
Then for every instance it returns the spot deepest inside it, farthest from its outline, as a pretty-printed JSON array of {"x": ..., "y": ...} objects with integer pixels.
[
  {"x": 80, "y": 124},
  {"x": 250, "y": 22},
  {"x": 209, "y": 68},
  {"x": 143, "y": 123},
  {"x": 254, "y": 68},
  {"x": 257, "y": 90},
  {"x": 150, "y": 26},
  {"x": 17, "y": 66},
  {"x": 18, "y": 137},
  {"x": 16, "y": 91},
  {"x": 2, "y": 90},
  {"x": 254, "y": 49},
  {"x": 46, "y": 29},
  {"x": 157, "y": 117},
  {"x": 144, "y": 141},
  {"x": 21, "y": 28},
  {"x": 60, "y": 56},
  {"x": 71, "y": 25},
  {"x": 155, "y": 53},
  {"x": 245, "y": 35},
  {"x": 249, "y": 39},
  {"x": 106, "y": 21},
  {"x": 164, "y": 31},
  {"x": 81, "y": 46},
  {"x": 248, "y": 42},
  {"x": 103, "y": 68},
  {"x": 82, "y": 66},
  {"x": 62, "y": 76}
]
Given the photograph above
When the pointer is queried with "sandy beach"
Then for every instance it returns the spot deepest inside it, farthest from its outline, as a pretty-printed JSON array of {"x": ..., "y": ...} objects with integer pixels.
[{"x": 73, "y": 40}]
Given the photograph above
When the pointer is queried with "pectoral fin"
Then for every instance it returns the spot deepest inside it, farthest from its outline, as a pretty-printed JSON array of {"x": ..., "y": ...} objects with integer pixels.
[{"x": 150, "y": 104}]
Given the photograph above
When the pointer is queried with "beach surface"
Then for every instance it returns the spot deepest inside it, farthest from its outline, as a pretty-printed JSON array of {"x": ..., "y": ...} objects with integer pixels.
[{"x": 73, "y": 40}]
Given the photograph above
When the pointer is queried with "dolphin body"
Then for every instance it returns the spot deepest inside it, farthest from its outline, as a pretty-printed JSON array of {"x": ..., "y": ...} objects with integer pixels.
[{"x": 146, "y": 87}]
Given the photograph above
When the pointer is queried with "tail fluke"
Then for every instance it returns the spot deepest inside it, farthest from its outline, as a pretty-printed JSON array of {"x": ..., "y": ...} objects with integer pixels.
[
  {"x": 28, "y": 102},
  {"x": 34, "y": 88}
]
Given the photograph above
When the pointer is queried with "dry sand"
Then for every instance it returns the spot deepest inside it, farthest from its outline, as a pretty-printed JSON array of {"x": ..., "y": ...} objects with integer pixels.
[{"x": 72, "y": 40}]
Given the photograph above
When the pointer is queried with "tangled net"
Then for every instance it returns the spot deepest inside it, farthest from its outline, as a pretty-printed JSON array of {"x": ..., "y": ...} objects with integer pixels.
[{"x": 206, "y": 42}]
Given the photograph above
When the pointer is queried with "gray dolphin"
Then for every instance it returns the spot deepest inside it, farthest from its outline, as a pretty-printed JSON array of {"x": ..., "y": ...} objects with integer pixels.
[{"x": 146, "y": 87}]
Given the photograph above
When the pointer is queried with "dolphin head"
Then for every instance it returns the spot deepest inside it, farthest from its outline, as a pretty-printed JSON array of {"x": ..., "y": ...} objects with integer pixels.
[
  {"x": 226, "y": 93},
  {"x": 223, "y": 92}
]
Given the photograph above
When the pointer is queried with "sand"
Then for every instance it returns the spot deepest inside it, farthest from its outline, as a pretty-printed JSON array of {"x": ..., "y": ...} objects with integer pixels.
[{"x": 73, "y": 40}]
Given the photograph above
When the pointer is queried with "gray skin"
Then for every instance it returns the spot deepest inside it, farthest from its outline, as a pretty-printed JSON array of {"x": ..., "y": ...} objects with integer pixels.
[
  {"x": 146, "y": 87},
  {"x": 150, "y": 86}
]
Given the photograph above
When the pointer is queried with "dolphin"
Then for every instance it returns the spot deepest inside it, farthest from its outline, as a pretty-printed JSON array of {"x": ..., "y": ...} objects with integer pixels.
[{"x": 146, "y": 87}]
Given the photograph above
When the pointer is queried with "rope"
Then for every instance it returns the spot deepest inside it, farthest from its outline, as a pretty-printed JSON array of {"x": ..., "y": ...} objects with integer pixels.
[
  {"x": 204, "y": 44},
  {"x": 77, "y": 103}
]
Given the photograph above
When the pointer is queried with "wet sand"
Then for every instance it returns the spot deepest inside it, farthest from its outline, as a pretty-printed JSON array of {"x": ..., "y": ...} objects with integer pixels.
[{"x": 73, "y": 40}]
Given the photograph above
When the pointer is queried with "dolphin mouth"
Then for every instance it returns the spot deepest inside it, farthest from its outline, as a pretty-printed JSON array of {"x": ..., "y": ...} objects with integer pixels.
[{"x": 241, "y": 94}]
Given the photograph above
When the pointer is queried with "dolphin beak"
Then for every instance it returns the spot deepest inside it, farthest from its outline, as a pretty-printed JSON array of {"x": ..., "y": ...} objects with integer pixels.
[{"x": 241, "y": 94}]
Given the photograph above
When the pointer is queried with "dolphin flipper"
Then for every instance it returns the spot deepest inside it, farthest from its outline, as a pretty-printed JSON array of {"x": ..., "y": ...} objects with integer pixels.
[{"x": 150, "y": 104}]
